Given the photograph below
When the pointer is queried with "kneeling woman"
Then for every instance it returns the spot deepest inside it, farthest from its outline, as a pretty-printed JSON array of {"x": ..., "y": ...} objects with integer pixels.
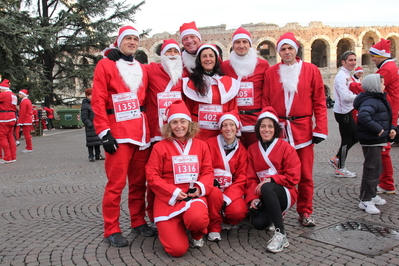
[
  {"x": 229, "y": 159},
  {"x": 273, "y": 172},
  {"x": 180, "y": 174}
]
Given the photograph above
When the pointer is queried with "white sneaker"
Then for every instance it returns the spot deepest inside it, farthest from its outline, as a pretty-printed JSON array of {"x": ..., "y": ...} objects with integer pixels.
[
  {"x": 197, "y": 243},
  {"x": 271, "y": 227},
  {"x": 343, "y": 172},
  {"x": 278, "y": 242},
  {"x": 214, "y": 236},
  {"x": 380, "y": 190},
  {"x": 45, "y": 129},
  {"x": 377, "y": 200},
  {"x": 17, "y": 143},
  {"x": 369, "y": 207},
  {"x": 27, "y": 151}
]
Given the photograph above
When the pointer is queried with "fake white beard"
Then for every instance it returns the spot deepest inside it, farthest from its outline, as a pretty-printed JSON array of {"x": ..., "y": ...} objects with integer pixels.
[
  {"x": 244, "y": 66},
  {"x": 174, "y": 68},
  {"x": 188, "y": 60},
  {"x": 131, "y": 73},
  {"x": 289, "y": 77}
]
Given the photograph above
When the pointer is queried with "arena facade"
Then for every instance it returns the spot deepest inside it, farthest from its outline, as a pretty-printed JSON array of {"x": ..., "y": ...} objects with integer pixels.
[{"x": 319, "y": 44}]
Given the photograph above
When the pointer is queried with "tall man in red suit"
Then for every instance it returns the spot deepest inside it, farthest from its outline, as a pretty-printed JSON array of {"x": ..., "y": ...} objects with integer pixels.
[
  {"x": 381, "y": 56},
  {"x": 295, "y": 89},
  {"x": 25, "y": 119},
  {"x": 245, "y": 66},
  {"x": 119, "y": 89},
  {"x": 8, "y": 108}
]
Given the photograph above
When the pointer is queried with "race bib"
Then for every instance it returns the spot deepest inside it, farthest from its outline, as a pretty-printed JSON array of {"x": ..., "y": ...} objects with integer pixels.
[
  {"x": 262, "y": 175},
  {"x": 224, "y": 178},
  {"x": 207, "y": 115},
  {"x": 245, "y": 96},
  {"x": 126, "y": 106},
  {"x": 14, "y": 99},
  {"x": 164, "y": 99},
  {"x": 185, "y": 168}
]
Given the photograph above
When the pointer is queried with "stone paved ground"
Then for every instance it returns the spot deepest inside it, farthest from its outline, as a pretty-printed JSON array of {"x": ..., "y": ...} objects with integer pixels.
[{"x": 51, "y": 214}]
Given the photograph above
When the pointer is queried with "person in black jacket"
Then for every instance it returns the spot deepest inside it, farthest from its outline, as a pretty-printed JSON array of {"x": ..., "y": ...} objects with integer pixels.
[
  {"x": 93, "y": 142},
  {"x": 373, "y": 129}
]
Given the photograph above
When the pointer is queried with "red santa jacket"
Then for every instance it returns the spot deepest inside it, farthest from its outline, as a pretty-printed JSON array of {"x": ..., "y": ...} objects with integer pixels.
[
  {"x": 158, "y": 82},
  {"x": 283, "y": 159},
  {"x": 308, "y": 102},
  {"x": 49, "y": 111},
  {"x": 222, "y": 92},
  {"x": 389, "y": 71},
  {"x": 25, "y": 112},
  {"x": 108, "y": 81},
  {"x": 160, "y": 177},
  {"x": 256, "y": 81},
  {"x": 8, "y": 106},
  {"x": 236, "y": 162}
]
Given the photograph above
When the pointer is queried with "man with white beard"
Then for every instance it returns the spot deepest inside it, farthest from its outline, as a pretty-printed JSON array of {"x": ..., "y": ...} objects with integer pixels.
[
  {"x": 164, "y": 87},
  {"x": 245, "y": 66},
  {"x": 295, "y": 90},
  {"x": 191, "y": 40}
]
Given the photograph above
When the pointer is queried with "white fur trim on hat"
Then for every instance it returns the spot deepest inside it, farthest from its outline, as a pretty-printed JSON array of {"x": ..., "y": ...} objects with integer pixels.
[
  {"x": 228, "y": 116},
  {"x": 168, "y": 46},
  {"x": 179, "y": 115},
  {"x": 125, "y": 33},
  {"x": 242, "y": 36},
  {"x": 206, "y": 46},
  {"x": 188, "y": 32},
  {"x": 23, "y": 93},
  {"x": 286, "y": 41},
  {"x": 268, "y": 115},
  {"x": 382, "y": 53}
]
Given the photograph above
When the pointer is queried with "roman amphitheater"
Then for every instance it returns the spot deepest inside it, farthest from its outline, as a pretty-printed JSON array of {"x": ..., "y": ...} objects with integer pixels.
[{"x": 319, "y": 44}]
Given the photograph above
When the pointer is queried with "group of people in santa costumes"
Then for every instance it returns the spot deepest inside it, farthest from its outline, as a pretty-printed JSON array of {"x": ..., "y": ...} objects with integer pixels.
[{"x": 221, "y": 105}]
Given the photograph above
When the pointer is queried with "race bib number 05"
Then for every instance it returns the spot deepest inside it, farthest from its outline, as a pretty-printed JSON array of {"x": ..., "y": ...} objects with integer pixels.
[{"x": 245, "y": 96}]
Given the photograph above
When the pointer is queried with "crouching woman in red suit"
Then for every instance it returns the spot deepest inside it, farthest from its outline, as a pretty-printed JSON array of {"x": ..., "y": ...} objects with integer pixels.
[
  {"x": 273, "y": 172},
  {"x": 180, "y": 174},
  {"x": 229, "y": 158}
]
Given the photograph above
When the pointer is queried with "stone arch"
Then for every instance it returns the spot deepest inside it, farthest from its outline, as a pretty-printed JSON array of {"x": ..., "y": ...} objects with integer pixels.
[
  {"x": 267, "y": 50},
  {"x": 344, "y": 43},
  {"x": 394, "y": 38},
  {"x": 369, "y": 38},
  {"x": 320, "y": 52}
]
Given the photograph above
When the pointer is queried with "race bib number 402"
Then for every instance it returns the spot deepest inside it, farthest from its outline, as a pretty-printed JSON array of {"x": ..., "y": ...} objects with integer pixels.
[{"x": 207, "y": 115}]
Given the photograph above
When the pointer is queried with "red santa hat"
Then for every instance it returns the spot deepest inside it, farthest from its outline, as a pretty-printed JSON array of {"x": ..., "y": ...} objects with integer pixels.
[
  {"x": 381, "y": 49},
  {"x": 177, "y": 109},
  {"x": 167, "y": 44},
  {"x": 268, "y": 112},
  {"x": 24, "y": 92},
  {"x": 206, "y": 46},
  {"x": 358, "y": 69},
  {"x": 233, "y": 115},
  {"x": 287, "y": 38},
  {"x": 189, "y": 28},
  {"x": 5, "y": 84},
  {"x": 242, "y": 33}
]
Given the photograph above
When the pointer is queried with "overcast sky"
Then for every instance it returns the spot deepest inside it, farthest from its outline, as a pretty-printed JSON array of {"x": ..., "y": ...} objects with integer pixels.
[{"x": 164, "y": 15}]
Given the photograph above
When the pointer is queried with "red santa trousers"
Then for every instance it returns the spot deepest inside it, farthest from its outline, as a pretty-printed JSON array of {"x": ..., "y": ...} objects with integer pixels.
[
  {"x": 26, "y": 129},
  {"x": 305, "y": 187},
  {"x": 150, "y": 197},
  {"x": 128, "y": 161},
  {"x": 233, "y": 214},
  {"x": 386, "y": 178},
  {"x": 172, "y": 232},
  {"x": 7, "y": 141}
]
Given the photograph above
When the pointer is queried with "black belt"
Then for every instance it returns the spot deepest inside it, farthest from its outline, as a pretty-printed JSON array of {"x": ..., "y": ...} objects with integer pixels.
[
  {"x": 249, "y": 112},
  {"x": 112, "y": 111},
  {"x": 292, "y": 118},
  {"x": 2, "y": 111}
]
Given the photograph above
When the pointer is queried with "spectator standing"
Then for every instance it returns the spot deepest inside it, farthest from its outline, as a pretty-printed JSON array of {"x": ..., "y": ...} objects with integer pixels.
[
  {"x": 295, "y": 90},
  {"x": 50, "y": 117},
  {"x": 245, "y": 66},
  {"x": 8, "y": 108},
  {"x": 93, "y": 142},
  {"x": 119, "y": 90},
  {"x": 381, "y": 56},
  {"x": 374, "y": 130},
  {"x": 25, "y": 119}
]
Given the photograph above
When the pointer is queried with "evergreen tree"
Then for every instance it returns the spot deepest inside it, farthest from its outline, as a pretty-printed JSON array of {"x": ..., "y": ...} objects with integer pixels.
[{"x": 48, "y": 45}]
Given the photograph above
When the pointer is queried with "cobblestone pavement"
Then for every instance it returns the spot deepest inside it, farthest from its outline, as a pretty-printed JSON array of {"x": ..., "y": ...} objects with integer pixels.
[{"x": 51, "y": 214}]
